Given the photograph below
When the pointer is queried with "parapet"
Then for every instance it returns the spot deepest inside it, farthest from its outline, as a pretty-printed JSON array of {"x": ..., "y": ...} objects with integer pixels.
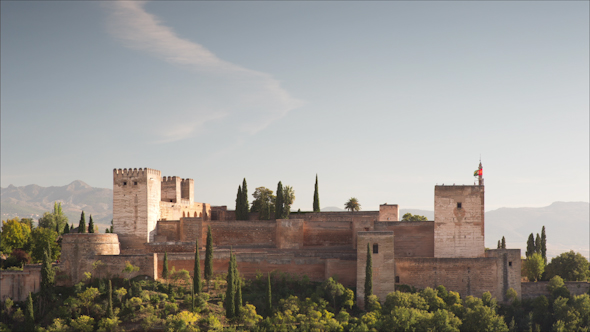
[{"x": 134, "y": 172}]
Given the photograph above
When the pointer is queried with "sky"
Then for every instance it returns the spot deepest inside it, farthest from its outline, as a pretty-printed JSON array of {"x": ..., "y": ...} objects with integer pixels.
[{"x": 382, "y": 100}]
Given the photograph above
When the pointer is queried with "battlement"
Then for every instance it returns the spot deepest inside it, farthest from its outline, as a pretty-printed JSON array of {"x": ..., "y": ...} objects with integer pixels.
[{"x": 134, "y": 172}]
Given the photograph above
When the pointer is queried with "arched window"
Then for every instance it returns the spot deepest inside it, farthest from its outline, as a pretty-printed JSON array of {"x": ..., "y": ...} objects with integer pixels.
[
  {"x": 375, "y": 248},
  {"x": 195, "y": 214}
]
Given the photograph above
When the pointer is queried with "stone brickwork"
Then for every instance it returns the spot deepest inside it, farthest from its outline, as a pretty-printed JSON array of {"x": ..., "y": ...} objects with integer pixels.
[
  {"x": 80, "y": 249},
  {"x": 459, "y": 221},
  {"x": 531, "y": 290},
  {"x": 18, "y": 284},
  {"x": 260, "y": 233},
  {"x": 290, "y": 234},
  {"x": 412, "y": 238},
  {"x": 327, "y": 233},
  {"x": 388, "y": 212},
  {"x": 509, "y": 266},
  {"x": 382, "y": 248}
]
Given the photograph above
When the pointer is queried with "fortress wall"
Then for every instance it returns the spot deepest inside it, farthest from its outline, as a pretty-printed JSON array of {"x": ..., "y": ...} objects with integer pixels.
[
  {"x": 344, "y": 271},
  {"x": 388, "y": 212},
  {"x": 261, "y": 233},
  {"x": 168, "y": 230},
  {"x": 18, "y": 284},
  {"x": 171, "y": 189},
  {"x": 79, "y": 251},
  {"x": 381, "y": 246},
  {"x": 509, "y": 270},
  {"x": 459, "y": 221},
  {"x": 467, "y": 276},
  {"x": 290, "y": 234},
  {"x": 169, "y": 247},
  {"x": 412, "y": 238},
  {"x": 249, "y": 264},
  {"x": 114, "y": 265},
  {"x": 192, "y": 229},
  {"x": 337, "y": 216},
  {"x": 327, "y": 233},
  {"x": 531, "y": 290}
]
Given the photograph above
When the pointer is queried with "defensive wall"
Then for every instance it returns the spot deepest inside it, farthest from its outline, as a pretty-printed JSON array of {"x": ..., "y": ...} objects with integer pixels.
[
  {"x": 530, "y": 290},
  {"x": 18, "y": 284}
]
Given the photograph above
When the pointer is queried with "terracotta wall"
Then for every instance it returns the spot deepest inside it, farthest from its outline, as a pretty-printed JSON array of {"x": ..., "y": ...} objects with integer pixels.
[
  {"x": 327, "y": 233},
  {"x": 18, "y": 284},
  {"x": 412, "y": 238},
  {"x": 260, "y": 233}
]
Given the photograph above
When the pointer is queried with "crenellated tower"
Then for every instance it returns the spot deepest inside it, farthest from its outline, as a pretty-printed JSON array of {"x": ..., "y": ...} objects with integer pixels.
[{"x": 136, "y": 205}]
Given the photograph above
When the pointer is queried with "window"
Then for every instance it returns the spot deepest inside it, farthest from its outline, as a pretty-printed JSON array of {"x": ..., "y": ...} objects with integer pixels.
[
  {"x": 459, "y": 205},
  {"x": 375, "y": 248},
  {"x": 397, "y": 279},
  {"x": 509, "y": 263},
  {"x": 135, "y": 183},
  {"x": 124, "y": 183}
]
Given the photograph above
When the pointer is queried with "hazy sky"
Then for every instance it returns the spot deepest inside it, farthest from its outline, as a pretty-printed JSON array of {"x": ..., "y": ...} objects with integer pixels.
[{"x": 382, "y": 100}]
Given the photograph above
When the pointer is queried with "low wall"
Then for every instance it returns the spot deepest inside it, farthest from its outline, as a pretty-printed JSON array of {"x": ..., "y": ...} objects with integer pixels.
[
  {"x": 531, "y": 290},
  {"x": 18, "y": 284},
  {"x": 412, "y": 238}
]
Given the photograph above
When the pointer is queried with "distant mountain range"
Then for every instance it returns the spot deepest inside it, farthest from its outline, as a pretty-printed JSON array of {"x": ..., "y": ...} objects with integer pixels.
[
  {"x": 567, "y": 223},
  {"x": 32, "y": 201}
]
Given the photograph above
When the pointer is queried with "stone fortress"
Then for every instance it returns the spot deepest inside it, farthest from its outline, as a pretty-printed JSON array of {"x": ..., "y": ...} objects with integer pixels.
[{"x": 153, "y": 214}]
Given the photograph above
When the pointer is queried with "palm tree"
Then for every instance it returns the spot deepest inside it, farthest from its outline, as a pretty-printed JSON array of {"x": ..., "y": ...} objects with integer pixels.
[{"x": 352, "y": 205}]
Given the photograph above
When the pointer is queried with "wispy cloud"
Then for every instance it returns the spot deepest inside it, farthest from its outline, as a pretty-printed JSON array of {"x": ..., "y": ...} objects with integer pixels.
[{"x": 251, "y": 99}]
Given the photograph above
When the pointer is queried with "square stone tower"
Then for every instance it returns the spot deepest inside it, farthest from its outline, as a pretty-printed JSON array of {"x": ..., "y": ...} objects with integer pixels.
[
  {"x": 459, "y": 221},
  {"x": 136, "y": 205},
  {"x": 381, "y": 247}
]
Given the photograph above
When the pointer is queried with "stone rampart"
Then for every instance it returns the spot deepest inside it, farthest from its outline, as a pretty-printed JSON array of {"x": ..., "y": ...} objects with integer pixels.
[
  {"x": 260, "y": 233},
  {"x": 381, "y": 246},
  {"x": 327, "y": 233},
  {"x": 290, "y": 234},
  {"x": 18, "y": 284},
  {"x": 80, "y": 249},
  {"x": 412, "y": 238},
  {"x": 531, "y": 290}
]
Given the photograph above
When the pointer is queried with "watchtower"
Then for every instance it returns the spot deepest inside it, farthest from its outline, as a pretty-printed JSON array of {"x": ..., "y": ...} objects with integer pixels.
[
  {"x": 383, "y": 259},
  {"x": 136, "y": 205},
  {"x": 459, "y": 220}
]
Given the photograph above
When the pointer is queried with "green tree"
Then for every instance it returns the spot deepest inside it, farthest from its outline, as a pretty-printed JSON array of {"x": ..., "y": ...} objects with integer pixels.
[
  {"x": 534, "y": 266},
  {"x": 316, "y": 196},
  {"x": 83, "y": 323},
  {"x": 352, "y": 205},
  {"x": 230, "y": 294},
  {"x": 268, "y": 298},
  {"x": 478, "y": 317},
  {"x": 538, "y": 244},
  {"x": 238, "y": 300},
  {"x": 41, "y": 239},
  {"x": 413, "y": 217},
  {"x": 368, "y": 275},
  {"x": 82, "y": 224},
  {"x": 90, "y": 225},
  {"x": 239, "y": 199},
  {"x": 570, "y": 266},
  {"x": 245, "y": 207},
  {"x": 530, "y": 245},
  {"x": 29, "y": 314},
  {"x": 67, "y": 229},
  {"x": 544, "y": 244},
  {"x": 14, "y": 235},
  {"x": 279, "y": 204},
  {"x": 165, "y": 271},
  {"x": 288, "y": 199},
  {"x": 47, "y": 274},
  {"x": 110, "y": 313},
  {"x": 55, "y": 220},
  {"x": 263, "y": 202},
  {"x": 197, "y": 270},
  {"x": 209, "y": 257},
  {"x": 499, "y": 245},
  {"x": 87, "y": 297},
  {"x": 503, "y": 243}
]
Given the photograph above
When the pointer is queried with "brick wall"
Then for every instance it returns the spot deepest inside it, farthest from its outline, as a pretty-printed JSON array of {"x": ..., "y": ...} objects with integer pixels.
[
  {"x": 18, "y": 284},
  {"x": 289, "y": 234},
  {"x": 260, "y": 233},
  {"x": 383, "y": 264},
  {"x": 327, "y": 233},
  {"x": 531, "y": 290},
  {"x": 412, "y": 238}
]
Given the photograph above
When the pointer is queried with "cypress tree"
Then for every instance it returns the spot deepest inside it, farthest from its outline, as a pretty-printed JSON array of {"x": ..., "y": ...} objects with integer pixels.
[
  {"x": 230, "y": 293},
  {"x": 538, "y": 244},
  {"x": 47, "y": 273},
  {"x": 66, "y": 229},
  {"x": 90, "y": 225},
  {"x": 530, "y": 245},
  {"x": 544, "y": 245},
  {"x": 82, "y": 224},
  {"x": 503, "y": 243},
  {"x": 239, "y": 204},
  {"x": 29, "y": 315},
  {"x": 245, "y": 204},
  {"x": 499, "y": 245},
  {"x": 165, "y": 272},
  {"x": 368, "y": 275},
  {"x": 193, "y": 298},
  {"x": 57, "y": 228},
  {"x": 316, "y": 196},
  {"x": 279, "y": 202},
  {"x": 268, "y": 298},
  {"x": 197, "y": 270},
  {"x": 238, "y": 281},
  {"x": 71, "y": 227},
  {"x": 209, "y": 257},
  {"x": 110, "y": 313}
]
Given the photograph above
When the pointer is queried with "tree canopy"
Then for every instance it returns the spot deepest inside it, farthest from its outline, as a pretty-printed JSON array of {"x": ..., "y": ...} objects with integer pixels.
[
  {"x": 413, "y": 217},
  {"x": 570, "y": 266},
  {"x": 352, "y": 205}
]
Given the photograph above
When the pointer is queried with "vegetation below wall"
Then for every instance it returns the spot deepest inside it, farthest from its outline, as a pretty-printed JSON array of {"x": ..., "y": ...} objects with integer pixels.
[{"x": 297, "y": 305}]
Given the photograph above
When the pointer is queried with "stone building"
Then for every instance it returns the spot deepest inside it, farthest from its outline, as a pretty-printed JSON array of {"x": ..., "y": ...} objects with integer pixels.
[{"x": 153, "y": 214}]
